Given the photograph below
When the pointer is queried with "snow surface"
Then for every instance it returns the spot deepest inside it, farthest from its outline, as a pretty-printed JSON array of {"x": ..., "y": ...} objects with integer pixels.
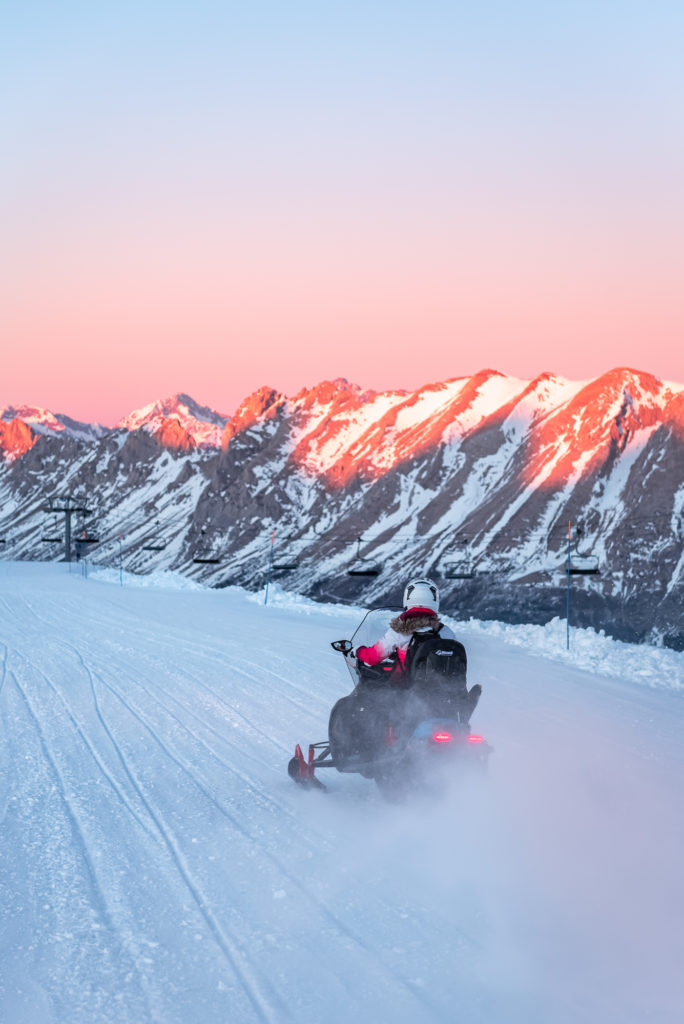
[{"x": 157, "y": 864}]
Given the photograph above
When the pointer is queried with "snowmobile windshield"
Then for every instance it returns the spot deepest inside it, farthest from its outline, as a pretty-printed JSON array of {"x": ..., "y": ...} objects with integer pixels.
[{"x": 374, "y": 625}]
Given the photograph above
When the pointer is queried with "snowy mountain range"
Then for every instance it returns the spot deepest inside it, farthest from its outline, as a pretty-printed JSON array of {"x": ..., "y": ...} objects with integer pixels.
[{"x": 489, "y": 482}]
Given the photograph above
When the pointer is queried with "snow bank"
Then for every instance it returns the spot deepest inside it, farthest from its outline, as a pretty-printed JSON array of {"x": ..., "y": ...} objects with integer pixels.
[
  {"x": 288, "y": 600},
  {"x": 589, "y": 650},
  {"x": 162, "y": 580}
]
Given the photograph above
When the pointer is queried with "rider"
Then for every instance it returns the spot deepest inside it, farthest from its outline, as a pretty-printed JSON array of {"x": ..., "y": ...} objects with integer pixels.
[{"x": 421, "y": 605}]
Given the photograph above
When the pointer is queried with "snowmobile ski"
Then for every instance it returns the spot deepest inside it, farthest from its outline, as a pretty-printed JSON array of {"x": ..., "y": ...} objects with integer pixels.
[{"x": 302, "y": 771}]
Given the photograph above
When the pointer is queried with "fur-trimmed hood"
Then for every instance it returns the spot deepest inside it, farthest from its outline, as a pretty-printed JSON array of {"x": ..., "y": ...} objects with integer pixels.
[{"x": 405, "y": 627}]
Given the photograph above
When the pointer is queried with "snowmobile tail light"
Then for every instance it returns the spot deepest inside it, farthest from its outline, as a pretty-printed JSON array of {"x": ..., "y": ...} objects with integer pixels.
[
  {"x": 476, "y": 739},
  {"x": 442, "y": 737}
]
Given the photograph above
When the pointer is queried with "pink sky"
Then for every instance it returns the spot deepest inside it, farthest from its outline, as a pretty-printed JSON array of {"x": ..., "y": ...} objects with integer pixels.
[{"x": 393, "y": 202}]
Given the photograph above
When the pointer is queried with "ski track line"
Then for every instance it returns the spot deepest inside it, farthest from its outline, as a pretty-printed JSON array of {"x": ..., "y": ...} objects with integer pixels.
[
  {"x": 258, "y": 673},
  {"x": 240, "y": 964},
  {"x": 265, "y": 1012},
  {"x": 5, "y": 618},
  {"x": 207, "y": 652},
  {"x": 325, "y": 912},
  {"x": 223, "y": 703},
  {"x": 268, "y": 801},
  {"x": 5, "y": 660},
  {"x": 230, "y": 950},
  {"x": 249, "y": 670},
  {"x": 254, "y": 673},
  {"x": 4, "y": 664},
  {"x": 187, "y": 709},
  {"x": 220, "y": 699},
  {"x": 65, "y": 645},
  {"x": 99, "y": 900},
  {"x": 248, "y": 783},
  {"x": 155, "y": 667},
  {"x": 92, "y": 751}
]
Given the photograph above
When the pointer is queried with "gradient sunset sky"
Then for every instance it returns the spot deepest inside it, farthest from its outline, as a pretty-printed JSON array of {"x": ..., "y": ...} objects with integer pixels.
[{"x": 211, "y": 196}]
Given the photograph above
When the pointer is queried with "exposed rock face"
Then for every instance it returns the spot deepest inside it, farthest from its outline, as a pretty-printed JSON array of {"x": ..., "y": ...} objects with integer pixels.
[
  {"x": 16, "y": 437},
  {"x": 170, "y": 434},
  {"x": 262, "y": 405},
  {"x": 473, "y": 480}
]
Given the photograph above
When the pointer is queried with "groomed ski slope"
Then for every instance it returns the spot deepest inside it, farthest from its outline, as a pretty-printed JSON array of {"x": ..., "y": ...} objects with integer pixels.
[{"x": 157, "y": 864}]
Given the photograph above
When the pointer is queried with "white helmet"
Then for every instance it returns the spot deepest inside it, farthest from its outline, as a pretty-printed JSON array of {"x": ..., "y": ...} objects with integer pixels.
[{"x": 421, "y": 593}]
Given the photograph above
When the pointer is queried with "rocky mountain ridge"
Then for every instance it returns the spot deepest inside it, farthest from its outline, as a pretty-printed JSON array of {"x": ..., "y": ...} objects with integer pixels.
[{"x": 473, "y": 479}]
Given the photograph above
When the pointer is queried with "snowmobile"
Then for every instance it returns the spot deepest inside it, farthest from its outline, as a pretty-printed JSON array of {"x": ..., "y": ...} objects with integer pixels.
[{"x": 404, "y": 733}]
